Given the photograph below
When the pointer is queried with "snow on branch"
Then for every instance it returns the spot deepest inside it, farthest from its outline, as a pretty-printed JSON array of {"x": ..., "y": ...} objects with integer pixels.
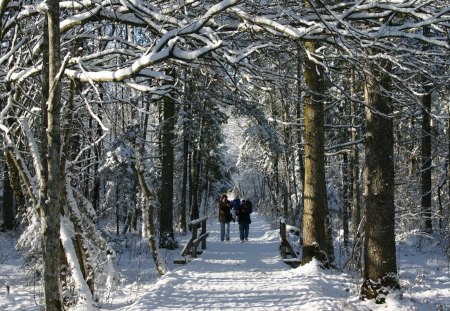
[
  {"x": 84, "y": 293},
  {"x": 33, "y": 147},
  {"x": 13, "y": 50},
  {"x": 282, "y": 28},
  {"x": 163, "y": 49}
]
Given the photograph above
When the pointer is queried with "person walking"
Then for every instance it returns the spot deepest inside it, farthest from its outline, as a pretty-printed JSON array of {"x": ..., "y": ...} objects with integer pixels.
[
  {"x": 224, "y": 217},
  {"x": 234, "y": 206},
  {"x": 244, "y": 220}
]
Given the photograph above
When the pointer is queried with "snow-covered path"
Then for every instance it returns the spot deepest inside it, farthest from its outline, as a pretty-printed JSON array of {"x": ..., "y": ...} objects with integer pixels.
[{"x": 234, "y": 275}]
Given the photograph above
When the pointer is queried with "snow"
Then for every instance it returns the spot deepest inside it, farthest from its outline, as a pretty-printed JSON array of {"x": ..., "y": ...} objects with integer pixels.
[
  {"x": 82, "y": 286},
  {"x": 234, "y": 275}
]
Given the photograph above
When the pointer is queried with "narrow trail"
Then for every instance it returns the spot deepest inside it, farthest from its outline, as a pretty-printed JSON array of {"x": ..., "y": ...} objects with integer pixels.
[{"x": 234, "y": 275}]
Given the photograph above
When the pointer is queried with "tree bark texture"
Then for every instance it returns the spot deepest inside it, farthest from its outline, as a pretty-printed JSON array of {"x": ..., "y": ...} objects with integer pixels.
[
  {"x": 8, "y": 213},
  {"x": 355, "y": 184},
  {"x": 426, "y": 151},
  {"x": 184, "y": 183},
  {"x": 17, "y": 179},
  {"x": 50, "y": 221},
  {"x": 345, "y": 199},
  {"x": 426, "y": 160},
  {"x": 166, "y": 216},
  {"x": 315, "y": 200},
  {"x": 354, "y": 195},
  {"x": 298, "y": 111},
  {"x": 197, "y": 167},
  {"x": 380, "y": 266},
  {"x": 149, "y": 210},
  {"x": 448, "y": 166}
]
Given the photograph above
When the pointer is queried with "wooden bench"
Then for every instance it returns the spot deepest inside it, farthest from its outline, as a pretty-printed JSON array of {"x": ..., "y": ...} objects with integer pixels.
[
  {"x": 286, "y": 248},
  {"x": 191, "y": 246}
]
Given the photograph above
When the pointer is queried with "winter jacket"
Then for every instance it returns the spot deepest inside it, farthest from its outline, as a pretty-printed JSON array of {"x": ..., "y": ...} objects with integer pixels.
[
  {"x": 243, "y": 213},
  {"x": 224, "y": 211},
  {"x": 236, "y": 203}
]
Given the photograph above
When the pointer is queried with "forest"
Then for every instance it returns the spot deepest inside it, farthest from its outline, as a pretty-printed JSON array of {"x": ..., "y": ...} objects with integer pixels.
[{"x": 114, "y": 118}]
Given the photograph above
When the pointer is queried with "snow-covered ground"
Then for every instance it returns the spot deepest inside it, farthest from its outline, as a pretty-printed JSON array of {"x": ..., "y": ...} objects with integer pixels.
[{"x": 232, "y": 276}]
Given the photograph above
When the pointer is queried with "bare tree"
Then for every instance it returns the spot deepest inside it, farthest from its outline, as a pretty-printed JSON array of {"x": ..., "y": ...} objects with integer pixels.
[{"x": 51, "y": 203}]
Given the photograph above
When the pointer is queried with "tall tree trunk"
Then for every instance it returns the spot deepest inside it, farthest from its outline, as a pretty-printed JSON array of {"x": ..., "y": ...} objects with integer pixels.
[
  {"x": 190, "y": 180},
  {"x": 8, "y": 201},
  {"x": 301, "y": 163},
  {"x": 345, "y": 199},
  {"x": 197, "y": 166},
  {"x": 315, "y": 201},
  {"x": 354, "y": 195},
  {"x": 96, "y": 190},
  {"x": 166, "y": 216},
  {"x": 448, "y": 155},
  {"x": 7, "y": 208},
  {"x": 50, "y": 222},
  {"x": 196, "y": 171},
  {"x": 354, "y": 164},
  {"x": 117, "y": 208},
  {"x": 71, "y": 147},
  {"x": 286, "y": 186},
  {"x": 426, "y": 159},
  {"x": 299, "y": 131},
  {"x": 98, "y": 154},
  {"x": 148, "y": 209},
  {"x": 184, "y": 184},
  {"x": 380, "y": 266},
  {"x": 15, "y": 182},
  {"x": 182, "y": 221},
  {"x": 278, "y": 203},
  {"x": 426, "y": 151},
  {"x": 413, "y": 163}
]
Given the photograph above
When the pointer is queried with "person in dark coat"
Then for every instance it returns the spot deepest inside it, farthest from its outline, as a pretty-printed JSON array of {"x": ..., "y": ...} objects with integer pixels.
[
  {"x": 244, "y": 220},
  {"x": 224, "y": 217}
]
